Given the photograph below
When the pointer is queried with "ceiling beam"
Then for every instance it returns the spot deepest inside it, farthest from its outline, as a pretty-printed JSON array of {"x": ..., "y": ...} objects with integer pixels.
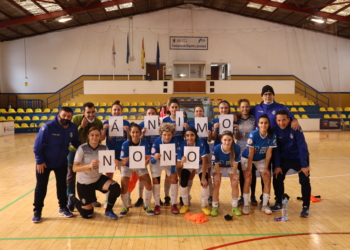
[
  {"x": 70, "y": 11},
  {"x": 345, "y": 29},
  {"x": 258, "y": 11},
  {"x": 228, "y": 5},
  {"x": 240, "y": 11},
  {"x": 41, "y": 7},
  {"x": 324, "y": 5},
  {"x": 302, "y": 10},
  {"x": 60, "y": 4},
  {"x": 212, "y": 3},
  {"x": 19, "y": 7}
]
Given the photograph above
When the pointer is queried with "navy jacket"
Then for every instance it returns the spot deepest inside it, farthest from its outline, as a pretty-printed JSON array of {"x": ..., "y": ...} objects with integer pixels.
[
  {"x": 51, "y": 144},
  {"x": 291, "y": 144},
  {"x": 270, "y": 110}
]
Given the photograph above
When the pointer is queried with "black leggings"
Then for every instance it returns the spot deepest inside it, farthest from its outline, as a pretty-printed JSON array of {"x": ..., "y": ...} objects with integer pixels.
[
  {"x": 241, "y": 179},
  {"x": 185, "y": 176}
]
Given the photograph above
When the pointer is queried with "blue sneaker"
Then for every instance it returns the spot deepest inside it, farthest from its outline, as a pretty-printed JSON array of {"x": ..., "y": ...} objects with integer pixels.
[
  {"x": 70, "y": 204},
  {"x": 253, "y": 201},
  {"x": 241, "y": 201},
  {"x": 305, "y": 212},
  {"x": 37, "y": 217},
  {"x": 110, "y": 214},
  {"x": 64, "y": 212},
  {"x": 148, "y": 210},
  {"x": 124, "y": 212},
  {"x": 139, "y": 202}
]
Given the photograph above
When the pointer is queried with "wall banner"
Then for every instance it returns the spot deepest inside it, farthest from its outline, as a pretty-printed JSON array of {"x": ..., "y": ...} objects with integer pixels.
[{"x": 188, "y": 43}]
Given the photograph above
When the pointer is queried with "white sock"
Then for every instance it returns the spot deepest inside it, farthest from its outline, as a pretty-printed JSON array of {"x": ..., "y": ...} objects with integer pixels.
[
  {"x": 246, "y": 199},
  {"x": 140, "y": 188},
  {"x": 205, "y": 196},
  {"x": 215, "y": 204},
  {"x": 125, "y": 198},
  {"x": 166, "y": 186},
  {"x": 156, "y": 194},
  {"x": 184, "y": 194},
  {"x": 266, "y": 198},
  {"x": 234, "y": 202},
  {"x": 189, "y": 185},
  {"x": 174, "y": 191},
  {"x": 210, "y": 184},
  {"x": 148, "y": 197},
  {"x": 107, "y": 196}
]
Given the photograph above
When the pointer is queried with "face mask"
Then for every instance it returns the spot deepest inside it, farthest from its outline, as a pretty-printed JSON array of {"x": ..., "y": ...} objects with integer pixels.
[
  {"x": 90, "y": 121},
  {"x": 64, "y": 122}
]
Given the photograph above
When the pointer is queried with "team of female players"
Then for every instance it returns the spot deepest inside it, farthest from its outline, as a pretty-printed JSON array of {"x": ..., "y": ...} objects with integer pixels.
[{"x": 252, "y": 151}]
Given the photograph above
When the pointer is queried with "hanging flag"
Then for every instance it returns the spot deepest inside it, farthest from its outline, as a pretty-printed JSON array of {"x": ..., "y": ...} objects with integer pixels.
[
  {"x": 143, "y": 55},
  {"x": 113, "y": 54},
  {"x": 158, "y": 56},
  {"x": 127, "y": 49}
]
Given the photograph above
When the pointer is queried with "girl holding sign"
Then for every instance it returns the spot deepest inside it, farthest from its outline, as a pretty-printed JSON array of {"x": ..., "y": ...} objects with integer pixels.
[
  {"x": 224, "y": 109},
  {"x": 184, "y": 158},
  {"x": 246, "y": 124},
  {"x": 165, "y": 160},
  {"x": 130, "y": 158},
  {"x": 199, "y": 112},
  {"x": 226, "y": 157},
  {"x": 259, "y": 151},
  {"x": 115, "y": 142},
  {"x": 173, "y": 107},
  {"x": 90, "y": 179}
]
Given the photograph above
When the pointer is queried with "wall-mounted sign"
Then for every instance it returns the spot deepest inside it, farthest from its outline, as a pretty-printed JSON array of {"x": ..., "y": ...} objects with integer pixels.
[
  {"x": 330, "y": 124},
  {"x": 188, "y": 43}
]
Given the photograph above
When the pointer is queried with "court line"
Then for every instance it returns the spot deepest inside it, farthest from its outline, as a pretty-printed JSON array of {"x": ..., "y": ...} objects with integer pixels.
[
  {"x": 19, "y": 198},
  {"x": 271, "y": 237}
]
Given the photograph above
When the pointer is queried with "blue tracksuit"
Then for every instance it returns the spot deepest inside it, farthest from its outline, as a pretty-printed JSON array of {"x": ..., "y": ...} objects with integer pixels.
[
  {"x": 270, "y": 110},
  {"x": 52, "y": 142}
]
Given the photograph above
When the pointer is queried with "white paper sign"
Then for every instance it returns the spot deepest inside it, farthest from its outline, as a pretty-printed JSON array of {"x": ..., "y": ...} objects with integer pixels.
[
  {"x": 179, "y": 120},
  {"x": 192, "y": 157},
  {"x": 107, "y": 161},
  {"x": 115, "y": 126},
  {"x": 226, "y": 122},
  {"x": 151, "y": 124},
  {"x": 137, "y": 157},
  {"x": 168, "y": 154},
  {"x": 201, "y": 125}
]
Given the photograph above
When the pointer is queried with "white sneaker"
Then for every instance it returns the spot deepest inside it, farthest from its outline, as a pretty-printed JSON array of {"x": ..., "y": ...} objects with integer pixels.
[
  {"x": 105, "y": 204},
  {"x": 246, "y": 210},
  {"x": 266, "y": 210}
]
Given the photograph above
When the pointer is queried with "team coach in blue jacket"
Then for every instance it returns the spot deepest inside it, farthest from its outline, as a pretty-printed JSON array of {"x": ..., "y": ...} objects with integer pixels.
[
  {"x": 51, "y": 150},
  {"x": 291, "y": 153}
]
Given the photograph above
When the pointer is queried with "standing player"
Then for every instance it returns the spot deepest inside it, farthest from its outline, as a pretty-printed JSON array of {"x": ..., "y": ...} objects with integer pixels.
[
  {"x": 150, "y": 111},
  {"x": 226, "y": 157},
  {"x": 199, "y": 112},
  {"x": 259, "y": 151},
  {"x": 173, "y": 106},
  {"x": 245, "y": 124},
  {"x": 115, "y": 142},
  {"x": 51, "y": 150},
  {"x": 166, "y": 132},
  {"x": 84, "y": 122},
  {"x": 90, "y": 179},
  {"x": 291, "y": 153},
  {"x": 126, "y": 172},
  {"x": 192, "y": 140}
]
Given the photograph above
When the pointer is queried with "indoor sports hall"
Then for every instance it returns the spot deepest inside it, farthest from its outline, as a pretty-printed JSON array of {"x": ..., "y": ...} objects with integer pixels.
[{"x": 65, "y": 53}]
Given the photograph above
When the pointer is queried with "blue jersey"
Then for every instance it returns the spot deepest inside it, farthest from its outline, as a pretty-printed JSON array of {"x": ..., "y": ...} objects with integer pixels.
[
  {"x": 115, "y": 142},
  {"x": 270, "y": 110},
  {"x": 199, "y": 143},
  {"x": 149, "y": 138},
  {"x": 291, "y": 145},
  {"x": 178, "y": 134},
  {"x": 156, "y": 149},
  {"x": 205, "y": 139},
  {"x": 260, "y": 145},
  {"x": 219, "y": 156},
  {"x": 125, "y": 149}
]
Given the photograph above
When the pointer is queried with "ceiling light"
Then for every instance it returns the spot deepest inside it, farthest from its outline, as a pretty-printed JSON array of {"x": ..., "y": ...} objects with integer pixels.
[
  {"x": 64, "y": 19},
  {"x": 317, "y": 19}
]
